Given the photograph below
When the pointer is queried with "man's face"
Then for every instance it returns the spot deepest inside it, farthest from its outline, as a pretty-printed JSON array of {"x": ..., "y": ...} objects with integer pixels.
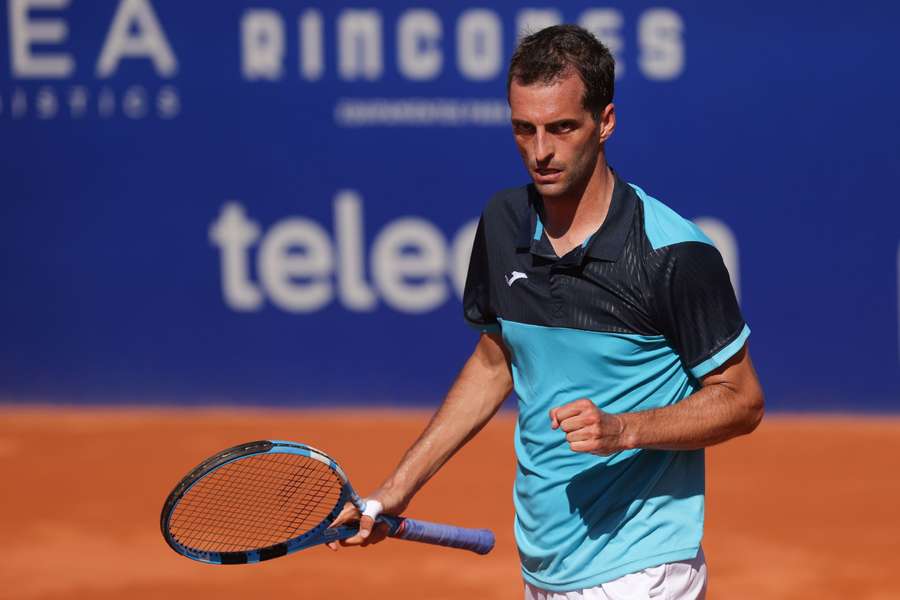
[{"x": 557, "y": 137}]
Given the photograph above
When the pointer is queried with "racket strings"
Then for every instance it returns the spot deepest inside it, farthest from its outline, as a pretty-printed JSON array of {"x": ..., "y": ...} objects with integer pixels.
[
  {"x": 239, "y": 496},
  {"x": 250, "y": 520},
  {"x": 258, "y": 521},
  {"x": 255, "y": 502}
]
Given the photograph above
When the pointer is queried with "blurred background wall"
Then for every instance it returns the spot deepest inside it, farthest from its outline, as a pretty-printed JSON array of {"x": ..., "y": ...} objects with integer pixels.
[{"x": 263, "y": 201}]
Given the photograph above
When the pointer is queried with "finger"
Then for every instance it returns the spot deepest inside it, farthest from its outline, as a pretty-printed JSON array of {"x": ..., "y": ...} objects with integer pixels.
[
  {"x": 365, "y": 528},
  {"x": 371, "y": 510},
  {"x": 379, "y": 532},
  {"x": 348, "y": 513},
  {"x": 579, "y": 435},
  {"x": 573, "y": 423},
  {"x": 592, "y": 447},
  {"x": 583, "y": 446},
  {"x": 561, "y": 413},
  {"x": 554, "y": 422},
  {"x": 333, "y": 546}
]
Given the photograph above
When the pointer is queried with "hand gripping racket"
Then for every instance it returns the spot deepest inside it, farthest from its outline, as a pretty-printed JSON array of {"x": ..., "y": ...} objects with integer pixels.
[{"x": 265, "y": 499}]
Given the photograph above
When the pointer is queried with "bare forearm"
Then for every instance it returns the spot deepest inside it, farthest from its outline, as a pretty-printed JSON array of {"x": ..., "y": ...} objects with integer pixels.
[
  {"x": 475, "y": 396},
  {"x": 712, "y": 415},
  {"x": 729, "y": 403}
]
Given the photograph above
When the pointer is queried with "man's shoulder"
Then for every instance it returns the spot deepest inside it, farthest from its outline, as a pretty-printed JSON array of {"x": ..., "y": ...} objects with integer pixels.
[
  {"x": 512, "y": 201},
  {"x": 675, "y": 240},
  {"x": 663, "y": 226}
]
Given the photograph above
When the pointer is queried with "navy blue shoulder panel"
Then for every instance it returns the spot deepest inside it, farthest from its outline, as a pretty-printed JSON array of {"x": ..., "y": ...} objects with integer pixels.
[
  {"x": 694, "y": 304},
  {"x": 495, "y": 238}
]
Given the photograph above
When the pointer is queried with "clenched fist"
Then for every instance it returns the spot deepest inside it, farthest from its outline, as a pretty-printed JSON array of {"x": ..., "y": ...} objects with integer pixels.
[{"x": 589, "y": 429}]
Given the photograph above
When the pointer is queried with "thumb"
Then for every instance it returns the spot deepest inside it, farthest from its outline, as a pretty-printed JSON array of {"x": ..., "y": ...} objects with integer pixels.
[
  {"x": 365, "y": 526},
  {"x": 554, "y": 421},
  {"x": 367, "y": 520}
]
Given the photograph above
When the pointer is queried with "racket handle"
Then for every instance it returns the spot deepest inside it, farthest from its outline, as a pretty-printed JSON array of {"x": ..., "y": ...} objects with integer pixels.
[{"x": 480, "y": 541}]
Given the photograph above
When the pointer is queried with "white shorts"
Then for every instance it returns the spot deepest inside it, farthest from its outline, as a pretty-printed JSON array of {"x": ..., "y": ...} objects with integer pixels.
[{"x": 682, "y": 580}]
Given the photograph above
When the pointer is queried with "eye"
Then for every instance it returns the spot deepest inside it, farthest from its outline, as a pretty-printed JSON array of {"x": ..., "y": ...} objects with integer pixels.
[
  {"x": 522, "y": 128},
  {"x": 562, "y": 127}
]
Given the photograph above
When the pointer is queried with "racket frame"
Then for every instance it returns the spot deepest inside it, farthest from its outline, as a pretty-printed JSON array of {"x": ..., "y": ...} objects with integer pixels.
[
  {"x": 319, "y": 534},
  {"x": 480, "y": 541}
]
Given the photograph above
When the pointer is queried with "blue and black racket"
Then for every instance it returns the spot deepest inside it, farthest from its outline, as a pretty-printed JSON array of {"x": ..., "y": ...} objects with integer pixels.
[{"x": 265, "y": 499}]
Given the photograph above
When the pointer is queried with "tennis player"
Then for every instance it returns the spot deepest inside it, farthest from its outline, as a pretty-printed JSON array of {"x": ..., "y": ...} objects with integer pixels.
[{"x": 614, "y": 320}]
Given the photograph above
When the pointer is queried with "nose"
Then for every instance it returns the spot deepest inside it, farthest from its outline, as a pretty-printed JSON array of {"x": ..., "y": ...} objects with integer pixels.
[{"x": 543, "y": 147}]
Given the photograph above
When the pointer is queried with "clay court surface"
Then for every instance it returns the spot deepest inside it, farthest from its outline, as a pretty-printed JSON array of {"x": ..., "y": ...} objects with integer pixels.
[{"x": 806, "y": 507}]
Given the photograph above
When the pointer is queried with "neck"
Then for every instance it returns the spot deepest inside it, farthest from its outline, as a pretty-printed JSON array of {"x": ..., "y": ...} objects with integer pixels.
[{"x": 574, "y": 217}]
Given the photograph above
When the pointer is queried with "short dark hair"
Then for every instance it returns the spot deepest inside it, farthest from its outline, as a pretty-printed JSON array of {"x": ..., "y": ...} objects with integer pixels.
[{"x": 550, "y": 54}]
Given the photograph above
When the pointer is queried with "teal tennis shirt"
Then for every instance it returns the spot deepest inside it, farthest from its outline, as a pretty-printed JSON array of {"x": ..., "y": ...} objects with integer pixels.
[{"x": 633, "y": 319}]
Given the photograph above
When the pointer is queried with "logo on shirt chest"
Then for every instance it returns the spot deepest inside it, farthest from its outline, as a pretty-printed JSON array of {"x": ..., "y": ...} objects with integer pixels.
[{"x": 514, "y": 277}]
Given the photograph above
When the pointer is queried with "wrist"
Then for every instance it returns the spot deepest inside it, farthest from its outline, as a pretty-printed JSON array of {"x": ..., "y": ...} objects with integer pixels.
[
  {"x": 628, "y": 431},
  {"x": 397, "y": 490}
]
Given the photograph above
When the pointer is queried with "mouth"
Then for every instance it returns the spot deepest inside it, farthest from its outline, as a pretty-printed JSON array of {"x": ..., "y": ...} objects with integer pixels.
[{"x": 547, "y": 175}]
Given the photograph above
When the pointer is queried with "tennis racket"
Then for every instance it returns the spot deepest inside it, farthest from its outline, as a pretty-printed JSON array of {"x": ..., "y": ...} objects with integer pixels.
[{"x": 265, "y": 499}]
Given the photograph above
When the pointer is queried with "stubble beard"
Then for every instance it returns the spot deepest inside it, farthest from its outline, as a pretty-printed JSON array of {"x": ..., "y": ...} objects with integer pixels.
[{"x": 566, "y": 190}]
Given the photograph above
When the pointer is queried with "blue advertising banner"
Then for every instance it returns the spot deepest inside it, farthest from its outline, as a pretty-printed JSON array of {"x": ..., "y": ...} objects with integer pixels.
[{"x": 262, "y": 201}]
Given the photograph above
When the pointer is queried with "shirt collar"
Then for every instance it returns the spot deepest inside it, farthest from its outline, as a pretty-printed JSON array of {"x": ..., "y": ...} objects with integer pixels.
[{"x": 605, "y": 244}]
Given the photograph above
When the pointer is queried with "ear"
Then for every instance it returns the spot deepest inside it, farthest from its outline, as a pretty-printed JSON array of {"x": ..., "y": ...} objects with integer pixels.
[{"x": 607, "y": 122}]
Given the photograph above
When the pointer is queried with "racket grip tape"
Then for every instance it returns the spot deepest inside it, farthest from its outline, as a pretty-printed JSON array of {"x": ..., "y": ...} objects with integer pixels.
[{"x": 480, "y": 541}]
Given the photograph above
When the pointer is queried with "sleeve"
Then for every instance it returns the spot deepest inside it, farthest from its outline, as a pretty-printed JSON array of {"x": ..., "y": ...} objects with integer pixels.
[
  {"x": 696, "y": 308},
  {"x": 478, "y": 308}
]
